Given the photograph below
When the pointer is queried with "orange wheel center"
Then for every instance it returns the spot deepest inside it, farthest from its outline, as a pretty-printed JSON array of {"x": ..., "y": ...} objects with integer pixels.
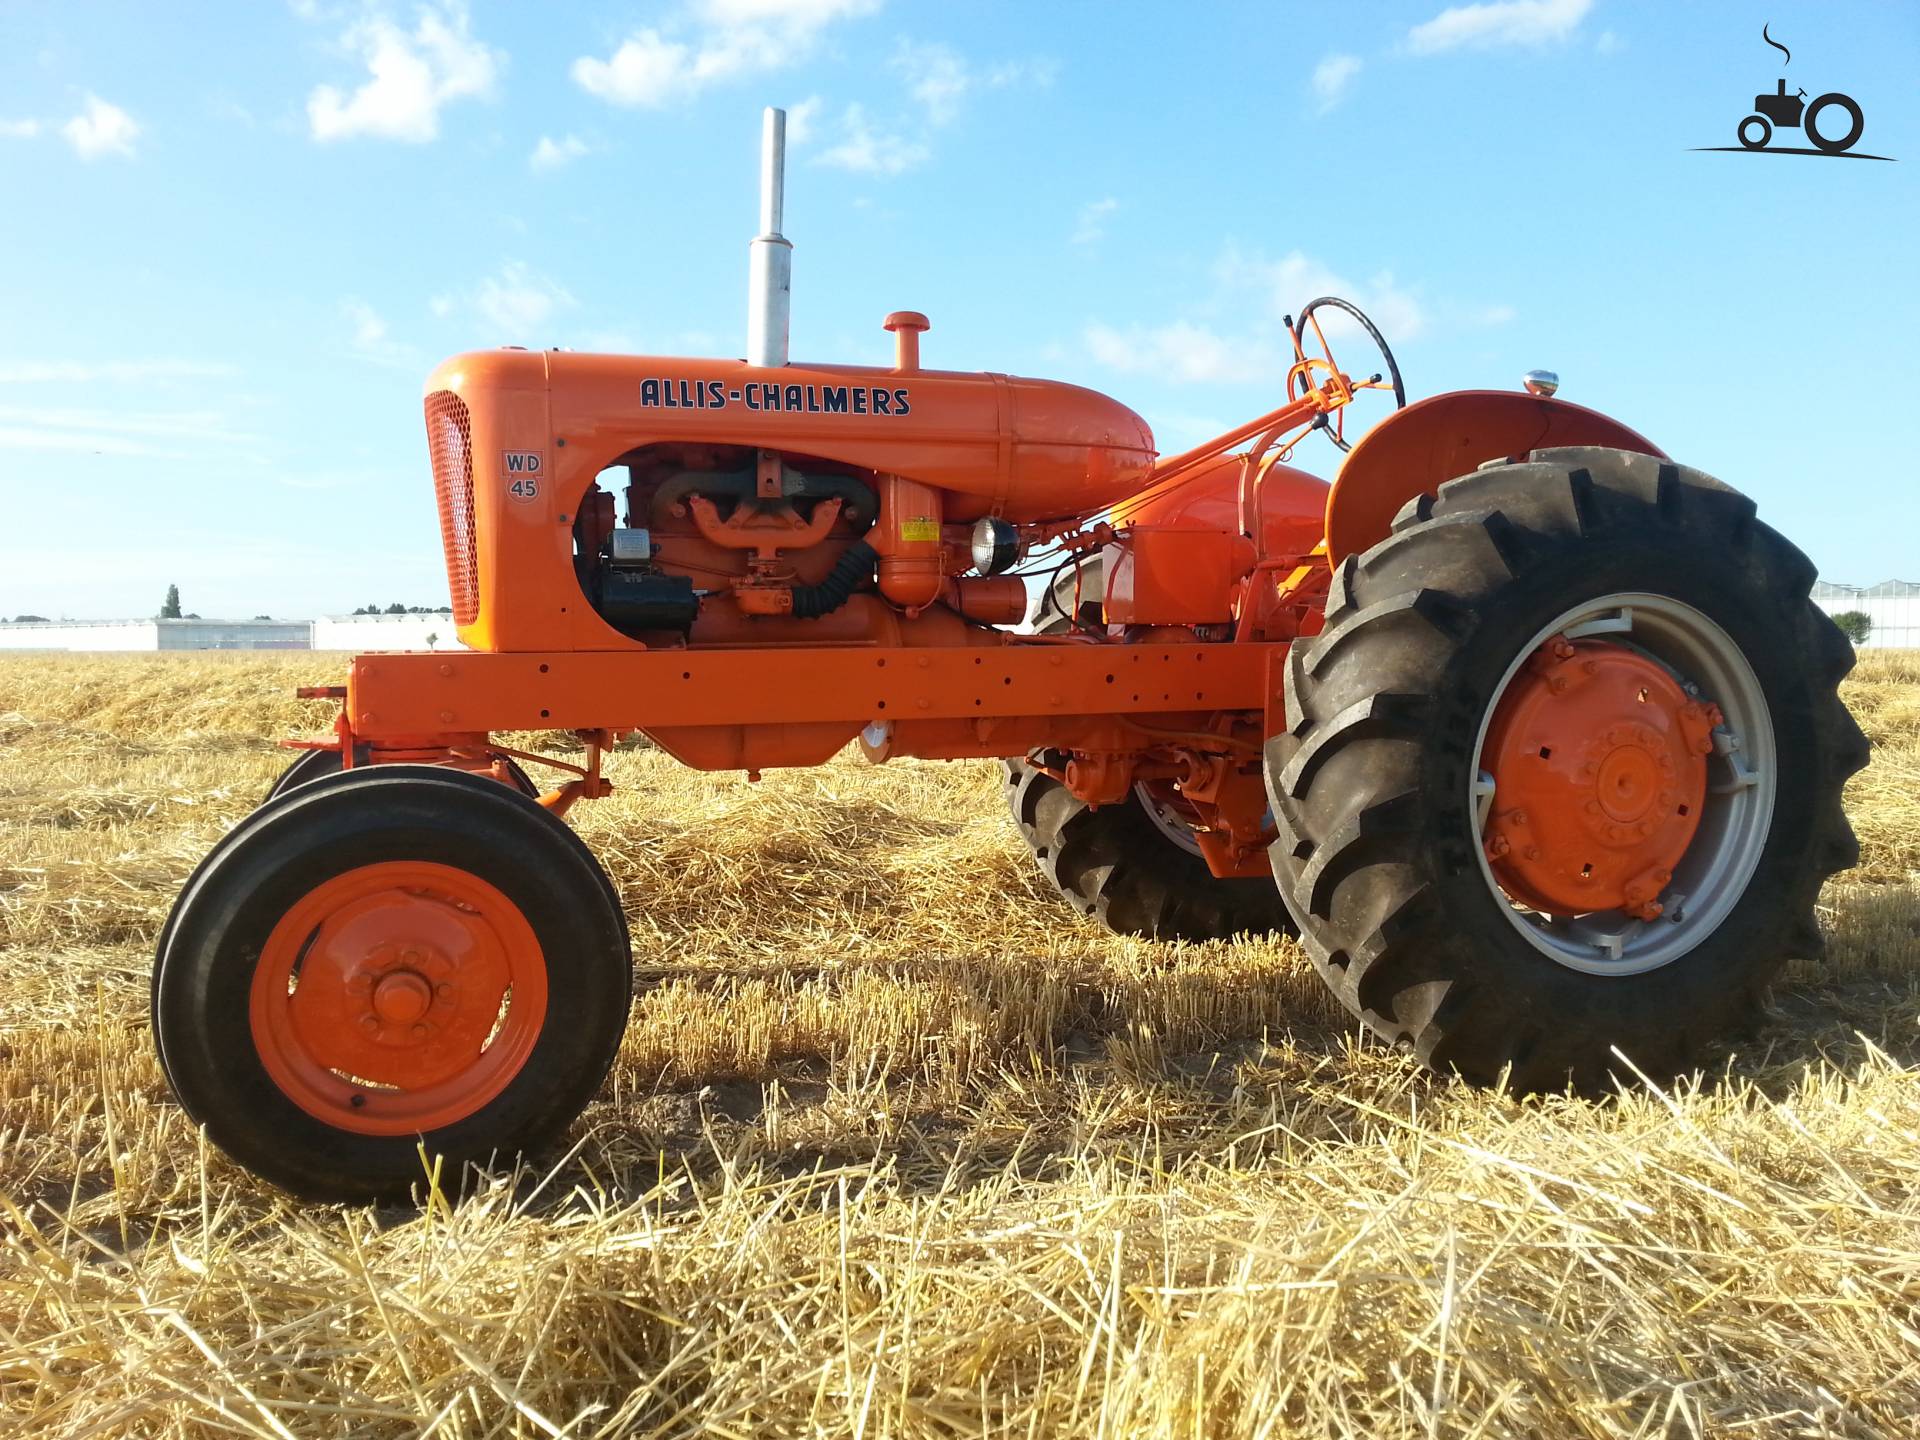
[
  {"x": 402, "y": 997},
  {"x": 1628, "y": 782},
  {"x": 398, "y": 997},
  {"x": 1599, "y": 764}
]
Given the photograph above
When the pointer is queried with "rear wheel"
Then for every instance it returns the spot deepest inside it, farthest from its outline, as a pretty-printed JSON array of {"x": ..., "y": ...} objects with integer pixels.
[
  {"x": 1835, "y": 144},
  {"x": 1135, "y": 866},
  {"x": 389, "y": 957},
  {"x": 1561, "y": 775}
]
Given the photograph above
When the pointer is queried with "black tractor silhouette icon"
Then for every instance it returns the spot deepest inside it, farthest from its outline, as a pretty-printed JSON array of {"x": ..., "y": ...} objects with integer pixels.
[
  {"x": 1785, "y": 110},
  {"x": 1793, "y": 112}
]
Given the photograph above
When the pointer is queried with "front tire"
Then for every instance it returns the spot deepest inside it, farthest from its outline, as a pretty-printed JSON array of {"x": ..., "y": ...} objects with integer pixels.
[
  {"x": 389, "y": 957},
  {"x": 318, "y": 764},
  {"x": 1382, "y": 843}
]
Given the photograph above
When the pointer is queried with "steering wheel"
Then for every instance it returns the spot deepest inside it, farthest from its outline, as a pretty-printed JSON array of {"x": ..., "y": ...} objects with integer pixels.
[{"x": 1301, "y": 376}]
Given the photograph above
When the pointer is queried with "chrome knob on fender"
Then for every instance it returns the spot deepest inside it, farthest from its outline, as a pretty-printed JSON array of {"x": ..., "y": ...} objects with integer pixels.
[{"x": 1540, "y": 382}]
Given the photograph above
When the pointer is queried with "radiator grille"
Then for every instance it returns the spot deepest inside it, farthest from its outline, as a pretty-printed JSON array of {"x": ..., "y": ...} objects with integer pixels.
[{"x": 450, "y": 439}]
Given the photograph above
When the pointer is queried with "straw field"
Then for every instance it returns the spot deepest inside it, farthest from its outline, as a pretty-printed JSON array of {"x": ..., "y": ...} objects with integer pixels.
[{"x": 898, "y": 1146}]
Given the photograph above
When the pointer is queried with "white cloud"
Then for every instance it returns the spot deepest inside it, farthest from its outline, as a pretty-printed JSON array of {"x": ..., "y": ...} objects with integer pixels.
[
  {"x": 1609, "y": 43},
  {"x": 371, "y": 340},
  {"x": 940, "y": 78},
  {"x": 101, "y": 129},
  {"x": 1181, "y": 351},
  {"x": 152, "y": 435},
  {"x": 409, "y": 77},
  {"x": 1286, "y": 283},
  {"x": 1092, "y": 224},
  {"x": 1258, "y": 292},
  {"x": 801, "y": 120},
  {"x": 799, "y": 14},
  {"x": 516, "y": 302},
  {"x": 19, "y": 129},
  {"x": 551, "y": 154},
  {"x": 724, "y": 40},
  {"x": 1494, "y": 23},
  {"x": 866, "y": 150},
  {"x": 647, "y": 69},
  {"x": 1331, "y": 77},
  {"x": 93, "y": 372},
  {"x": 936, "y": 76}
]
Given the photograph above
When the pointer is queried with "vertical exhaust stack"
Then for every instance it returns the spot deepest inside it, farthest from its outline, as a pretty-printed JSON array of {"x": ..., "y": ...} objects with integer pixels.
[{"x": 770, "y": 255}]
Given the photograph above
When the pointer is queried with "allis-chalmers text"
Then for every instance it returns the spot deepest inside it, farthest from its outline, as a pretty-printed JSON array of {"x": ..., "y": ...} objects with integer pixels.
[{"x": 670, "y": 394}]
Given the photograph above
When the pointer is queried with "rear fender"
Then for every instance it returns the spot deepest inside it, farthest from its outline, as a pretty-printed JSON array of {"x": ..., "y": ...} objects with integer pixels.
[{"x": 1417, "y": 450}]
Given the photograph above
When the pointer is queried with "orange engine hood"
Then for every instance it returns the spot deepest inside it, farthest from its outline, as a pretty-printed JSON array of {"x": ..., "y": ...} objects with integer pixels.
[{"x": 1025, "y": 449}]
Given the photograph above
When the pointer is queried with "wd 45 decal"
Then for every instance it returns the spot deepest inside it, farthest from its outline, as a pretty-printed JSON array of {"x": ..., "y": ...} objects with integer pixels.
[
  {"x": 524, "y": 471},
  {"x": 667, "y": 393}
]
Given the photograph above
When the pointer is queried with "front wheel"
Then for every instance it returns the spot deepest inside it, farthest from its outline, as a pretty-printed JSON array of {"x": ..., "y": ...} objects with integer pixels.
[
  {"x": 389, "y": 957},
  {"x": 317, "y": 764},
  {"x": 1561, "y": 778}
]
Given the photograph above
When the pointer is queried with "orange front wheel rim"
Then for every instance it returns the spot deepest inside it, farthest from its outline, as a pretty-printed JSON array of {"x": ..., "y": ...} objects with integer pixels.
[{"x": 398, "y": 998}]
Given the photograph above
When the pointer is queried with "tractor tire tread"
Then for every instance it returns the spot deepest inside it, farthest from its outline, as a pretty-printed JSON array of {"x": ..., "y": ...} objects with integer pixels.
[
  {"x": 1115, "y": 866},
  {"x": 1376, "y": 885}
]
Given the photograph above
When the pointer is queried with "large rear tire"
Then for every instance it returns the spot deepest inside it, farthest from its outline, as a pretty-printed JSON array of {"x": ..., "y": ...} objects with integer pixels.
[
  {"x": 1382, "y": 803},
  {"x": 1127, "y": 866},
  {"x": 393, "y": 956}
]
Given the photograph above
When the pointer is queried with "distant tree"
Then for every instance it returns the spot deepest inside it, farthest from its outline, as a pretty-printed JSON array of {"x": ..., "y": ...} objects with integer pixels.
[
  {"x": 170, "y": 607},
  {"x": 29, "y": 619},
  {"x": 1856, "y": 625},
  {"x": 263, "y": 617},
  {"x": 190, "y": 615},
  {"x": 433, "y": 638},
  {"x": 396, "y": 608}
]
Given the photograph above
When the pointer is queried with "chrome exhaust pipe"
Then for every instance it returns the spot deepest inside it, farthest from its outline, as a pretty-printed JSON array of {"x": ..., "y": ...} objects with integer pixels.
[{"x": 770, "y": 254}]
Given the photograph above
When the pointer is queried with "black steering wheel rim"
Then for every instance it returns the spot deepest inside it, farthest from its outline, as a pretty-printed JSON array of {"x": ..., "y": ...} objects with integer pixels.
[{"x": 1373, "y": 333}]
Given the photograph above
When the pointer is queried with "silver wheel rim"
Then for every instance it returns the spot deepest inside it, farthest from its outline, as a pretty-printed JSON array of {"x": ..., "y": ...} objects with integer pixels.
[
  {"x": 1742, "y": 772},
  {"x": 1167, "y": 820}
]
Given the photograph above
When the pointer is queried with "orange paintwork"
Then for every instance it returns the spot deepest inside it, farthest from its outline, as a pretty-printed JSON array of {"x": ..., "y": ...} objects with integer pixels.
[
  {"x": 1599, "y": 766},
  {"x": 1185, "y": 554},
  {"x": 758, "y": 486},
  {"x": 402, "y": 968},
  {"x": 985, "y": 682},
  {"x": 912, "y": 556},
  {"x": 1416, "y": 450},
  {"x": 1023, "y": 449}
]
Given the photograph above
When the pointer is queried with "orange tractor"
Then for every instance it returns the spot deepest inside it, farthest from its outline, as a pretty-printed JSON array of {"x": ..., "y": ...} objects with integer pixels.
[{"x": 1528, "y": 732}]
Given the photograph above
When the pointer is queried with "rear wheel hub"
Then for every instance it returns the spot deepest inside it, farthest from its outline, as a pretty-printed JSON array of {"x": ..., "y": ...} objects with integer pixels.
[{"x": 1598, "y": 759}]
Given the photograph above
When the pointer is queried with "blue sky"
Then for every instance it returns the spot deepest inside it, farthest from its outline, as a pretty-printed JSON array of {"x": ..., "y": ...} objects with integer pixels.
[{"x": 233, "y": 239}]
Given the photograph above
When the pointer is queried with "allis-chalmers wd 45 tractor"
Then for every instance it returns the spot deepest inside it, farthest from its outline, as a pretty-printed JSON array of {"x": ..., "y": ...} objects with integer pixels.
[{"x": 1526, "y": 730}]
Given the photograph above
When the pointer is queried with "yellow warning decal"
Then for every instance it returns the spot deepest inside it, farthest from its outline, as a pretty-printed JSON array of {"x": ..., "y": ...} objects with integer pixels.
[{"x": 920, "y": 530}]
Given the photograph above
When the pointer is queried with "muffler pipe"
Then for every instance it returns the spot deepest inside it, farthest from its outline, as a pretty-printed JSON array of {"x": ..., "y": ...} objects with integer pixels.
[{"x": 770, "y": 254}]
